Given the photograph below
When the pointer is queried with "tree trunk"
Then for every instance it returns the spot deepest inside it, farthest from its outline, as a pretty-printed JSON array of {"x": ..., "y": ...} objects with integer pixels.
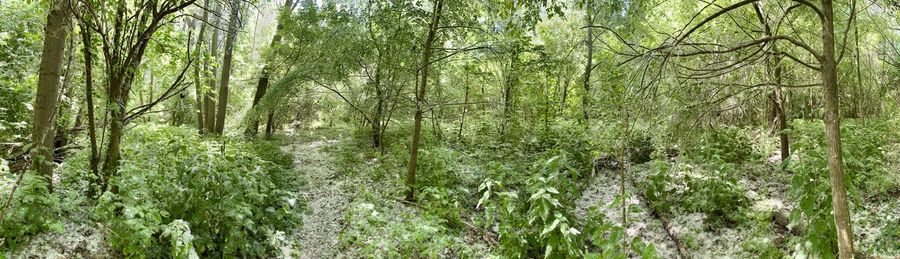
[
  {"x": 833, "y": 132},
  {"x": 777, "y": 97},
  {"x": 263, "y": 84},
  {"x": 589, "y": 43},
  {"x": 462, "y": 120},
  {"x": 89, "y": 95},
  {"x": 197, "y": 85},
  {"x": 420, "y": 99},
  {"x": 62, "y": 134},
  {"x": 233, "y": 23},
  {"x": 270, "y": 124},
  {"x": 47, "y": 96},
  {"x": 208, "y": 102},
  {"x": 858, "y": 101}
]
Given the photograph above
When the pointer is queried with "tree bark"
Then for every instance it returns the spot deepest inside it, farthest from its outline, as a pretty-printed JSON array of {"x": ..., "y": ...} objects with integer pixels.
[
  {"x": 233, "y": 23},
  {"x": 208, "y": 102},
  {"x": 47, "y": 96},
  {"x": 833, "y": 132},
  {"x": 777, "y": 96},
  {"x": 89, "y": 94},
  {"x": 197, "y": 85},
  {"x": 420, "y": 99}
]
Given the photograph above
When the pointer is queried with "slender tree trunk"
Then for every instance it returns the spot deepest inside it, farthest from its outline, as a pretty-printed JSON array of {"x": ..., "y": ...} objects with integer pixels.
[
  {"x": 47, "y": 97},
  {"x": 233, "y": 23},
  {"x": 197, "y": 85},
  {"x": 270, "y": 124},
  {"x": 777, "y": 97},
  {"x": 781, "y": 113},
  {"x": 860, "y": 108},
  {"x": 462, "y": 120},
  {"x": 208, "y": 102},
  {"x": 420, "y": 99},
  {"x": 263, "y": 84},
  {"x": 833, "y": 133},
  {"x": 89, "y": 94},
  {"x": 589, "y": 43}
]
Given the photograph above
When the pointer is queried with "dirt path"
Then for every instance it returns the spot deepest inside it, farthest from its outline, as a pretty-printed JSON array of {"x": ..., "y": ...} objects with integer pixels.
[{"x": 325, "y": 198}]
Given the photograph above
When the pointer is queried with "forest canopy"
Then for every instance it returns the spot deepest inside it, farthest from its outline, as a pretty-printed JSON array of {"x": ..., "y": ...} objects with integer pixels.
[{"x": 450, "y": 128}]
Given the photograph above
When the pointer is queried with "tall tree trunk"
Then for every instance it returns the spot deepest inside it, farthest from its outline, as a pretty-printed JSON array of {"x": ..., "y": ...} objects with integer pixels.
[
  {"x": 197, "y": 85},
  {"x": 777, "y": 96},
  {"x": 62, "y": 134},
  {"x": 47, "y": 97},
  {"x": 420, "y": 99},
  {"x": 263, "y": 84},
  {"x": 858, "y": 101},
  {"x": 833, "y": 132},
  {"x": 208, "y": 102},
  {"x": 233, "y": 23},
  {"x": 589, "y": 43},
  {"x": 780, "y": 111}
]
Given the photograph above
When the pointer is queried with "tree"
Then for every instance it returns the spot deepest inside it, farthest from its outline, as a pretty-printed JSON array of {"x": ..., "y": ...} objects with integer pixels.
[
  {"x": 124, "y": 41},
  {"x": 420, "y": 98},
  {"x": 234, "y": 21},
  {"x": 48, "y": 89},
  {"x": 87, "y": 49},
  {"x": 263, "y": 84},
  {"x": 209, "y": 107},
  {"x": 198, "y": 86},
  {"x": 588, "y": 67},
  {"x": 827, "y": 60}
]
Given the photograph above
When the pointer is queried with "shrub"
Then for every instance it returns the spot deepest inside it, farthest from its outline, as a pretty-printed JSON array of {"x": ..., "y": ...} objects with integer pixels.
[
  {"x": 547, "y": 230},
  {"x": 33, "y": 209},
  {"x": 178, "y": 191},
  {"x": 710, "y": 189},
  {"x": 863, "y": 161},
  {"x": 725, "y": 144}
]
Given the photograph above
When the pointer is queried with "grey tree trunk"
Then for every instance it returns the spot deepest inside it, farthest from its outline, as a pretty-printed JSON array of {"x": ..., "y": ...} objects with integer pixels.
[
  {"x": 47, "y": 97},
  {"x": 209, "y": 108},
  {"x": 839, "y": 202},
  {"x": 197, "y": 82},
  {"x": 233, "y": 24}
]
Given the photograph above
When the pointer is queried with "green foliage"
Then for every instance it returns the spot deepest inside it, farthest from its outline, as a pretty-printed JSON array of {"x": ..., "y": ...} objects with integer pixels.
[
  {"x": 611, "y": 240},
  {"x": 373, "y": 231},
  {"x": 726, "y": 144},
  {"x": 716, "y": 194},
  {"x": 33, "y": 209},
  {"x": 178, "y": 193},
  {"x": 547, "y": 229},
  {"x": 711, "y": 189},
  {"x": 863, "y": 161},
  {"x": 21, "y": 30}
]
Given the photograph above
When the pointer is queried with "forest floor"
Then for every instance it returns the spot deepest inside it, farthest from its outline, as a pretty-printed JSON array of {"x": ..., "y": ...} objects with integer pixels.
[{"x": 325, "y": 196}]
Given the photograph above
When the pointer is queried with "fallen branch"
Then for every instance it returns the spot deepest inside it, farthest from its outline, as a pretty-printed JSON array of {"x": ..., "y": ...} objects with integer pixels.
[{"x": 679, "y": 245}]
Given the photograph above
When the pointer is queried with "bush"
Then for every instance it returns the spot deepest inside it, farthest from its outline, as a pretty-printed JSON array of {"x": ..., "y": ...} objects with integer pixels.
[
  {"x": 725, "y": 144},
  {"x": 811, "y": 187},
  {"x": 710, "y": 189},
  {"x": 33, "y": 209},
  {"x": 178, "y": 194}
]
